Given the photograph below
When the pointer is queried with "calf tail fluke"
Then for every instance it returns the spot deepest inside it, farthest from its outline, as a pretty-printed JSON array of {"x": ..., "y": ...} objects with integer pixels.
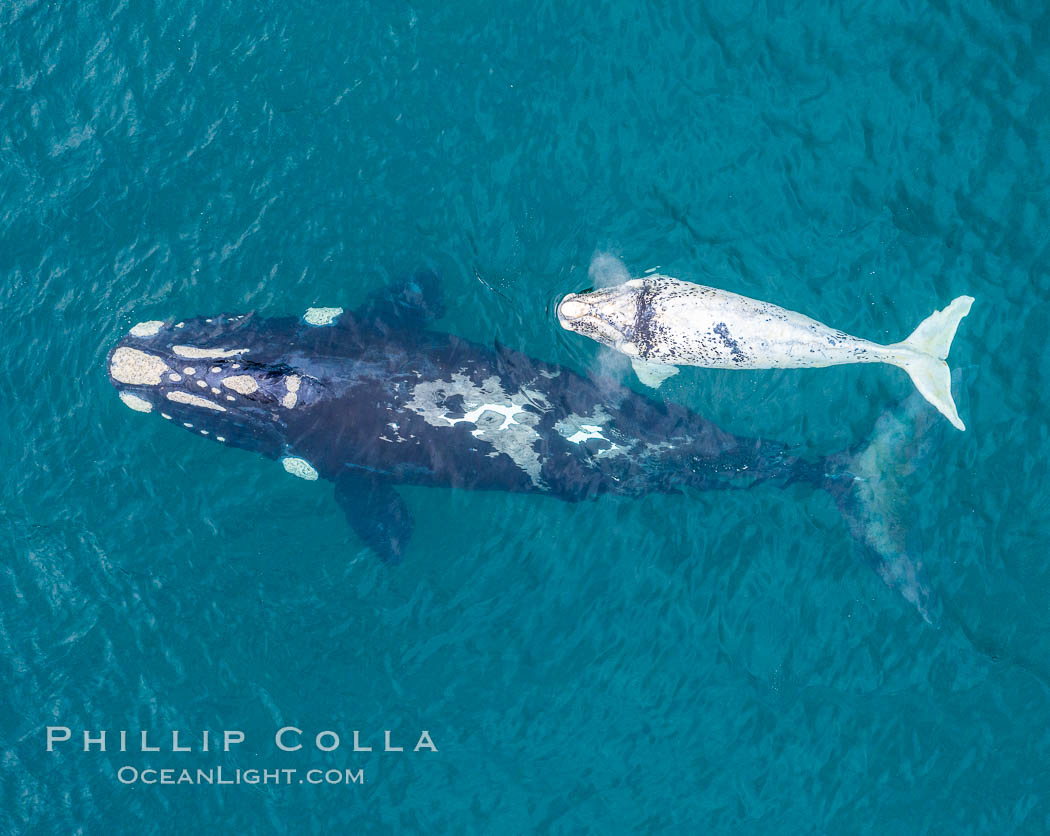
[{"x": 922, "y": 356}]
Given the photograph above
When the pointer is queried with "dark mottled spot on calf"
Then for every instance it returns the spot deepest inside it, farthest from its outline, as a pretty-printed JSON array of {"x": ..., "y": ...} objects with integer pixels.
[
  {"x": 645, "y": 330},
  {"x": 731, "y": 344}
]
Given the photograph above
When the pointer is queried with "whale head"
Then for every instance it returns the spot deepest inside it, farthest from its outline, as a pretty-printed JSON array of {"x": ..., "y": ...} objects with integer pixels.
[
  {"x": 608, "y": 315},
  {"x": 216, "y": 377}
]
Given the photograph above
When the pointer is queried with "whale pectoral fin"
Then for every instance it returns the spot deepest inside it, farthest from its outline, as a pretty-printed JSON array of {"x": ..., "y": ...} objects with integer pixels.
[
  {"x": 653, "y": 374},
  {"x": 376, "y": 512},
  {"x": 414, "y": 302}
]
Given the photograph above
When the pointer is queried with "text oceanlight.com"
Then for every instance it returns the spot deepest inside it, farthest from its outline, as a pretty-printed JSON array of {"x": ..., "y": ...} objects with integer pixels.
[
  {"x": 288, "y": 739},
  {"x": 222, "y": 776}
]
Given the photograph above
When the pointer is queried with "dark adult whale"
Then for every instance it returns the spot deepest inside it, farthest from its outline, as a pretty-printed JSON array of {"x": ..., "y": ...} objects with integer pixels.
[{"x": 372, "y": 399}]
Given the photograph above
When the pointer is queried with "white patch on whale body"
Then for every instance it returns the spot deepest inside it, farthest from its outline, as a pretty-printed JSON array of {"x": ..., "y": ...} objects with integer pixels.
[
  {"x": 500, "y": 419},
  {"x": 245, "y": 384},
  {"x": 193, "y": 353},
  {"x": 189, "y": 370},
  {"x": 129, "y": 365},
  {"x": 292, "y": 385},
  {"x": 146, "y": 329},
  {"x": 299, "y": 467},
  {"x": 135, "y": 402},
  {"x": 577, "y": 429},
  {"x": 508, "y": 412},
  {"x": 321, "y": 316},
  {"x": 174, "y": 377},
  {"x": 215, "y": 369},
  {"x": 203, "y": 384},
  {"x": 585, "y": 432},
  {"x": 193, "y": 400},
  {"x": 165, "y": 416}
]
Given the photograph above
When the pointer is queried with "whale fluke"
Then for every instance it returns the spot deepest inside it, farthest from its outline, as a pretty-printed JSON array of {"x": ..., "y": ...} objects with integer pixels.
[
  {"x": 922, "y": 356},
  {"x": 868, "y": 486}
]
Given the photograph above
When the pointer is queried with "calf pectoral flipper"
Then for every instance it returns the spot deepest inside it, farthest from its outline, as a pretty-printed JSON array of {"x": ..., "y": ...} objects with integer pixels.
[{"x": 652, "y": 374}]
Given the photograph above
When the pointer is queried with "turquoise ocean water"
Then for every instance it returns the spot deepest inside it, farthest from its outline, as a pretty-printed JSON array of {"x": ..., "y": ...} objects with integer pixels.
[{"x": 684, "y": 664}]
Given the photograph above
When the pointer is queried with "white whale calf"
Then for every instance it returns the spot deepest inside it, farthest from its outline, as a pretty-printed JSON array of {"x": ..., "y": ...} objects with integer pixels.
[{"x": 662, "y": 323}]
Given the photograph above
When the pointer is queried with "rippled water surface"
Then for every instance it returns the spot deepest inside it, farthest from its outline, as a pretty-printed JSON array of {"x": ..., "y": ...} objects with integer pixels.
[{"x": 689, "y": 663}]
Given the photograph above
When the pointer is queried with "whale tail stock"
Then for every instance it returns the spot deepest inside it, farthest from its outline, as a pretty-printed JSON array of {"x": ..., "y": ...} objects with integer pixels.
[
  {"x": 869, "y": 487},
  {"x": 922, "y": 356}
]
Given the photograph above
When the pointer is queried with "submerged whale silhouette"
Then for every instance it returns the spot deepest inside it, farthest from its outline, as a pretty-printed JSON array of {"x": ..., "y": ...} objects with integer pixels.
[{"x": 373, "y": 399}]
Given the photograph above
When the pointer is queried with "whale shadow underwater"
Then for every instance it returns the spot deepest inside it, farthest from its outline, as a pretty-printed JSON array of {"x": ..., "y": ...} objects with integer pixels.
[{"x": 373, "y": 398}]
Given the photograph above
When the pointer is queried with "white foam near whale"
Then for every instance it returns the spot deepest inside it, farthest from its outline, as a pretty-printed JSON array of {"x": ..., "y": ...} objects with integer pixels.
[{"x": 662, "y": 323}]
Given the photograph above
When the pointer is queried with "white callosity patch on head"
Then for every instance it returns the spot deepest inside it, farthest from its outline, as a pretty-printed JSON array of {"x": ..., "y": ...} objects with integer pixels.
[
  {"x": 203, "y": 384},
  {"x": 129, "y": 365},
  {"x": 146, "y": 329},
  {"x": 189, "y": 370},
  {"x": 572, "y": 307},
  {"x": 135, "y": 402},
  {"x": 292, "y": 385},
  {"x": 194, "y": 400},
  {"x": 243, "y": 383},
  {"x": 194, "y": 353},
  {"x": 174, "y": 377},
  {"x": 215, "y": 369},
  {"x": 299, "y": 467},
  {"x": 321, "y": 316},
  {"x": 500, "y": 419}
]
